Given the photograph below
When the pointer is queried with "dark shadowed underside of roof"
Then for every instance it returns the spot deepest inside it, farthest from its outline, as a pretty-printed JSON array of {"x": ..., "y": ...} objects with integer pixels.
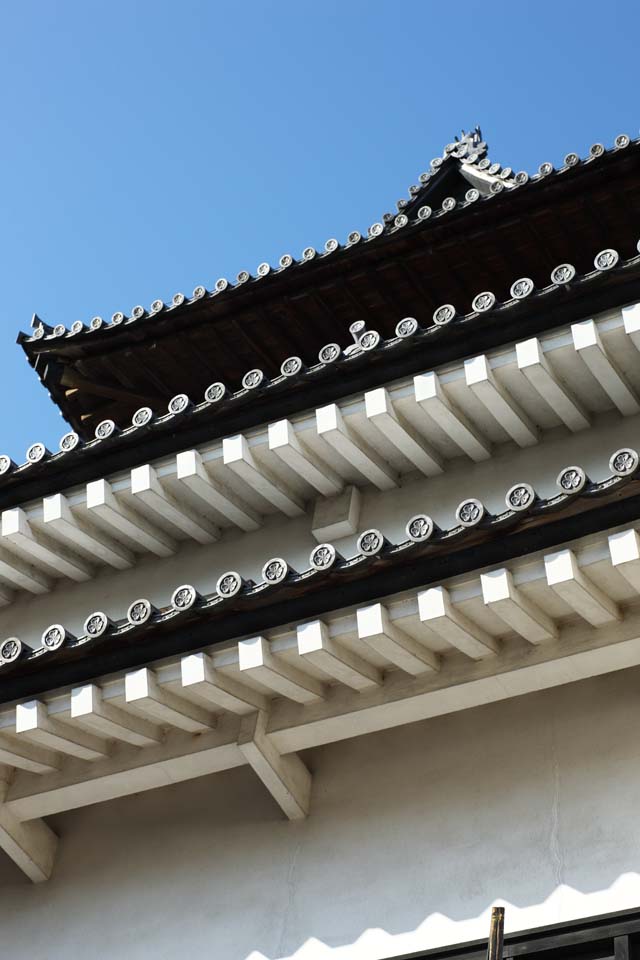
[{"x": 468, "y": 226}]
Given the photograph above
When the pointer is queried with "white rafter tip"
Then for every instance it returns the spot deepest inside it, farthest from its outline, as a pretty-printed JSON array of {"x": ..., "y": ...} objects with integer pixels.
[
  {"x": 436, "y": 610},
  {"x": 624, "y": 548},
  {"x": 380, "y": 411},
  {"x": 517, "y": 611},
  {"x": 251, "y": 653},
  {"x": 237, "y": 456},
  {"x": 254, "y": 655},
  {"x": 376, "y": 630},
  {"x": 585, "y": 597},
  {"x": 316, "y": 646}
]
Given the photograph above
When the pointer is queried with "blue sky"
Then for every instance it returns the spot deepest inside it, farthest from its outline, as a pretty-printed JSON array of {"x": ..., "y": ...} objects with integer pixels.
[{"x": 151, "y": 146}]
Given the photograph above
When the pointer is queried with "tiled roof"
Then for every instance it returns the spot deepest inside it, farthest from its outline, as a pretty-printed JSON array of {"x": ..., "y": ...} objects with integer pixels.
[
  {"x": 475, "y": 537},
  {"x": 454, "y": 331},
  {"x": 488, "y": 180}
]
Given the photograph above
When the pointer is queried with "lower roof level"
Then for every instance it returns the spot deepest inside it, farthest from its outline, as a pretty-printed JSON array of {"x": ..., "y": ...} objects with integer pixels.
[{"x": 538, "y": 622}]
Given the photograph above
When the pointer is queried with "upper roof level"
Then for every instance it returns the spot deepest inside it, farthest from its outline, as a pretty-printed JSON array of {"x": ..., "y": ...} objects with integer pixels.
[{"x": 468, "y": 226}]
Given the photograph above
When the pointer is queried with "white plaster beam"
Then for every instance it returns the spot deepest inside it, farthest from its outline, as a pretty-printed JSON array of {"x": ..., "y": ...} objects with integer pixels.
[
  {"x": 566, "y": 578},
  {"x": 32, "y": 846},
  {"x": 180, "y": 757},
  {"x": 500, "y": 404},
  {"x": 536, "y": 368},
  {"x": 143, "y": 692},
  {"x": 38, "y": 550},
  {"x": 23, "y": 576},
  {"x": 380, "y": 411},
  {"x": 437, "y": 612},
  {"x": 146, "y": 487},
  {"x": 200, "y": 677},
  {"x": 589, "y": 345},
  {"x": 332, "y": 427},
  {"x": 191, "y": 472},
  {"x": 17, "y": 752},
  {"x": 238, "y": 457},
  {"x": 119, "y": 520},
  {"x": 34, "y": 723},
  {"x": 286, "y": 778},
  {"x": 307, "y": 465},
  {"x": 256, "y": 660},
  {"x": 430, "y": 394},
  {"x": 624, "y": 548},
  {"x": 579, "y": 652},
  {"x": 316, "y": 646},
  {"x": 107, "y": 720},
  {"x": 377, "y": 631},
  {"x": 523, "y": 616},
  {"x": 63, "y": 525}
]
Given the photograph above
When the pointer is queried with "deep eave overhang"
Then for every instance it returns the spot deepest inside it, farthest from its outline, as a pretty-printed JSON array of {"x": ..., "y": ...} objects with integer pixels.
[
  {"x": 495, "y": 539},
  {"x": 274, "y": 299},
  {"x": 543, "y": 309}
]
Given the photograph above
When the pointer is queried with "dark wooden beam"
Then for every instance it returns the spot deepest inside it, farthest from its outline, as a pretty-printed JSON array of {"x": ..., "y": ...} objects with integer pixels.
[{"x": 71, "y": 379}]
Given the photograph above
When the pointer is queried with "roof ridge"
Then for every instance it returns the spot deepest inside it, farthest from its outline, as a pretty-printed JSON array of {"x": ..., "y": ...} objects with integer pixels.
[{"x": 494, "y": 176}]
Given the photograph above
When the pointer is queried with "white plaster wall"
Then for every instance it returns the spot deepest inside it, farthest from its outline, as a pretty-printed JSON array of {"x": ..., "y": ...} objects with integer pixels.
[
  {"x": 112, "y": 591},
  {"x": 413, "y": 834}
]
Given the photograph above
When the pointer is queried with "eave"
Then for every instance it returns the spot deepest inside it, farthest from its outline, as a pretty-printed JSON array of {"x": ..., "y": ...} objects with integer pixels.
[
  {"x": 535, "y": 623},
  {"x": 402, "y": 269},
  {"x": 544, "y": 308},
  {"x": 369, "y": 575}
]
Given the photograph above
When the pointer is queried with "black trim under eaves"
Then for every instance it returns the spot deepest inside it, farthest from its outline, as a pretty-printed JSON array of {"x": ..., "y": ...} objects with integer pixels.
[
  {"x": 517, "y": 320},
  {"x": 374, "y": 585}
]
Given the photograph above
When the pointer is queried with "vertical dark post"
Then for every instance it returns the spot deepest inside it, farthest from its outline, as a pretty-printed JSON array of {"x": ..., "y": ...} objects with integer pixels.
[
  {"x": 621, "y": 948},
  {"x": 496, "y": 934}
]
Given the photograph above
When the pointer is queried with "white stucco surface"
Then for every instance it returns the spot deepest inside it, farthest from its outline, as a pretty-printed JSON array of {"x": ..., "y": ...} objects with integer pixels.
[{"x": 413, "y": 834}]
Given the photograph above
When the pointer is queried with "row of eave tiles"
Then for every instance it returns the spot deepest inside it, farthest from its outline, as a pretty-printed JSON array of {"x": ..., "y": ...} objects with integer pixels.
[
  {"x": 521, "y": 501},
  {"x": 503, "y": 180},
  {"x": 425, "y": 633},
  {"x": 218, "y": 396},
  {"x": 64, "y": 536}
]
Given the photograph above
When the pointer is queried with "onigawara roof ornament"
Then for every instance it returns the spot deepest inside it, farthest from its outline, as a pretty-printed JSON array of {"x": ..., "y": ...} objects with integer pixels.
[{"x": 467, "y": 144}]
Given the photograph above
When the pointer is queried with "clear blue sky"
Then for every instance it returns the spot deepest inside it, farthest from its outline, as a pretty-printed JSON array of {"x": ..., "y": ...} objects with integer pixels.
[{"x": 152, "y": 146}]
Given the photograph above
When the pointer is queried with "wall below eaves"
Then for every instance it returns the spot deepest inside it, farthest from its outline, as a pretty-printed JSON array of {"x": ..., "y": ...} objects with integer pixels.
[{"x": 413, "y": 834}]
